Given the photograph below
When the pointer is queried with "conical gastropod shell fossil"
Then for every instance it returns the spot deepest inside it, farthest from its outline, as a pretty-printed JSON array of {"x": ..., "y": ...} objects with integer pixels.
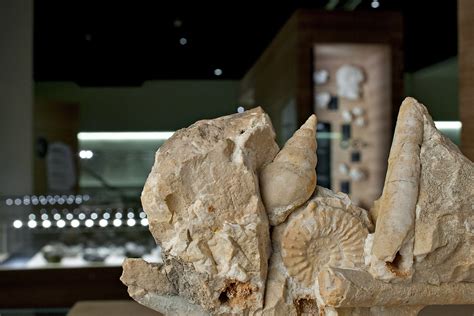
[
  {"x": 322, "y": 236},
  {"x": 290, "y": 179}
]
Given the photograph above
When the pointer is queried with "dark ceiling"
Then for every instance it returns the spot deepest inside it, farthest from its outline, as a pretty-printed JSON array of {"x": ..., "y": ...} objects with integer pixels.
[{"x": 126, "y": 43}]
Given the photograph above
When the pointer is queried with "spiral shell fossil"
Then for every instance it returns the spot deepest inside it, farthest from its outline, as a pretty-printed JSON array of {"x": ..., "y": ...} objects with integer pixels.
[
  {"x": 322, "y": 236},
  {"x": 290, "y": 179}
]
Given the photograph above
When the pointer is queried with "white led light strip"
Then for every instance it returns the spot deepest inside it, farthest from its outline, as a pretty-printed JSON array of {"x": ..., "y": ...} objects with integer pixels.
[
  {"x": 448, "y": 124},
  {"x": 124, "y": 135}
]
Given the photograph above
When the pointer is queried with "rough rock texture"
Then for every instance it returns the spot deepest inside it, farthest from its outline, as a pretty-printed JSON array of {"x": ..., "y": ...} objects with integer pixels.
[
  {"x": 204, "y": 208},
  {"x": 290, "y": 179},
  {"x": 426, "y": 213},
  {"x": 328, "y": 230},
  {"x": 356, "y": 288}
]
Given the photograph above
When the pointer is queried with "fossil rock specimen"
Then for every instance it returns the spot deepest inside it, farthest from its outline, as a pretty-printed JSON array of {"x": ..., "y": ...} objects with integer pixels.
[
  {"x": 426, "y": 209},
  {"x": 328, "y": 230},
  {"x": 204, "y": 208},
  {"x": 217, "y": 186},
  {"x": 290, "y": 179}
]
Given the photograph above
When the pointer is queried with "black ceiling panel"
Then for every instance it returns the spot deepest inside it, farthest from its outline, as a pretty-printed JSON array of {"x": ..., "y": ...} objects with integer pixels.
[{"x": 126, "y": 43}]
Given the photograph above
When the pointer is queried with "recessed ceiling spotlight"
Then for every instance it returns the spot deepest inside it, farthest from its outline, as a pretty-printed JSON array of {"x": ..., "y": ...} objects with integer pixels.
[
  {"x": 89, "y": 223},
  {"x": 103, "y": 223},
  {"x": 183, "y": 41},
  {"x": 117, "y": 222},
  {"x": 217, "y": 71},
  {"x": 375, "y": 4},
  {"x": 177, "y": 23},
  {"x": 240, "y": 109},
  {"x": 32, "y": 223},
  {"x": 46, "y": 224},
  {"x": 75, "y": 223},
  {"x": 17, "y": 223}
]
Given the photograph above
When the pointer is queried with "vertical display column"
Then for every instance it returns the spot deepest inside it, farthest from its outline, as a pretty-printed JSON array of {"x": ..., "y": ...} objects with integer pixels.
[
  {"x": 16, "y": 93},
  {"x": 352, "y": 99}
]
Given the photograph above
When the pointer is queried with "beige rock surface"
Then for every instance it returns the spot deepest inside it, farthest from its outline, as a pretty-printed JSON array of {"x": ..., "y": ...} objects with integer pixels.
[
  {"x": 355, "y": 288},
  {"x": 204, "y": 203},
  {"x": 290, "y": 179},
  {"x": 425, "y": 214},
  {"x": 328, "y": 230},
  {"x": 204, "y": 208}
]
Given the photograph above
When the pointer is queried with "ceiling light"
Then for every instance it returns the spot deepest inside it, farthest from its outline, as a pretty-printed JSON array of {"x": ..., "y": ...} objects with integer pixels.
[
  {"x": 448, "y": 124},
  {"x": 131, "y": 222},
  {"x": 144, "y": 222},
  {"x": 89, "y": 223},
  {"x": 32, "y": 223},
  {"x": 117, "y": 222},
  {"x": 17, "y": 223},
  {"x": 375, "y": 4},
  {"x": 46, "y": 224},
  {"x": 240, "y": 109},
  {"x": 177, "y": 23},
  {"x": 61, "y": 223},
  {"x": 217, "y": 71},
  {"x": 183, "y": 41},
  {"x": 75, "y": 223},
  {"x": 103, "y": 223}
]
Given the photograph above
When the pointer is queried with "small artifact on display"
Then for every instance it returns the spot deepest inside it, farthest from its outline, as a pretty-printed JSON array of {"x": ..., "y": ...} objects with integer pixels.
[
  {"x": 349, "y": 78},
  {"x": 244, "y": 229},
  {"x": 320, "y": 76},
  {"x": 322, "y": 100}
]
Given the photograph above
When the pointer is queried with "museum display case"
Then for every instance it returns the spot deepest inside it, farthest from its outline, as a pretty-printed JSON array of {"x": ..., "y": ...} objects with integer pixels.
[
  {"x": 80, "y": 238},
  {"x": 352, "y": 83}
]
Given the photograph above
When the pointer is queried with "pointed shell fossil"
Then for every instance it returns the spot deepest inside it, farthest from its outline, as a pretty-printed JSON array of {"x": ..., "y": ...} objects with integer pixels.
[
  {"x": 322, "y": 236},
  {"x": 290, "y": 179}
]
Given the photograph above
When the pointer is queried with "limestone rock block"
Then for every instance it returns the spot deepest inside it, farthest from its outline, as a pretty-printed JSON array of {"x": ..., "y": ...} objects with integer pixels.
[
  {"x": 423, "y": 229},
  {"x": 204, "y": 208},
  {"x": 290, "y": 179},
  {"x": 217, "y": 185}
]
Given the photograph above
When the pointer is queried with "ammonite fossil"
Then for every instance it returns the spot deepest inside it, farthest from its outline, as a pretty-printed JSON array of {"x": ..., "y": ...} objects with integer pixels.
[{"x": 322, "y": 236}]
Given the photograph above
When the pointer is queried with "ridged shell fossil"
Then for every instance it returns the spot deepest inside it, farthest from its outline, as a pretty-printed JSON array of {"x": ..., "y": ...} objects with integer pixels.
[
  {"x": 322, "y": 236},
  {"x": 290, "y": 179}
]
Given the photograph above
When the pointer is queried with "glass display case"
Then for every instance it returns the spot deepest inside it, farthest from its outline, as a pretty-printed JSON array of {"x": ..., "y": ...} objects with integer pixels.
[
  {"x": 65, "y": 246},
  {"x": 52, "y": 231}
]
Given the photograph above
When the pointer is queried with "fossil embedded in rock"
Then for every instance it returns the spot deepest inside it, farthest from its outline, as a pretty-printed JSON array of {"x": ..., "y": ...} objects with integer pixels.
[
  {"x": 290, "y": 179},
  {"x": 320, "y": 236}
]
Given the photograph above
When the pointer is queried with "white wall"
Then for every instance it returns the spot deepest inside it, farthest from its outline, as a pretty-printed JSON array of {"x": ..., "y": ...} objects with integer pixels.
[{"x": 16, "y": 144}]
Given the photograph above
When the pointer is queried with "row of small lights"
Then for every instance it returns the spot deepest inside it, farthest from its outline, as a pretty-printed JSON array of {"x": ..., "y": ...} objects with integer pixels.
[
  {"x": 76, "y": 222},
  {"x": 48, "y": 200}
]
